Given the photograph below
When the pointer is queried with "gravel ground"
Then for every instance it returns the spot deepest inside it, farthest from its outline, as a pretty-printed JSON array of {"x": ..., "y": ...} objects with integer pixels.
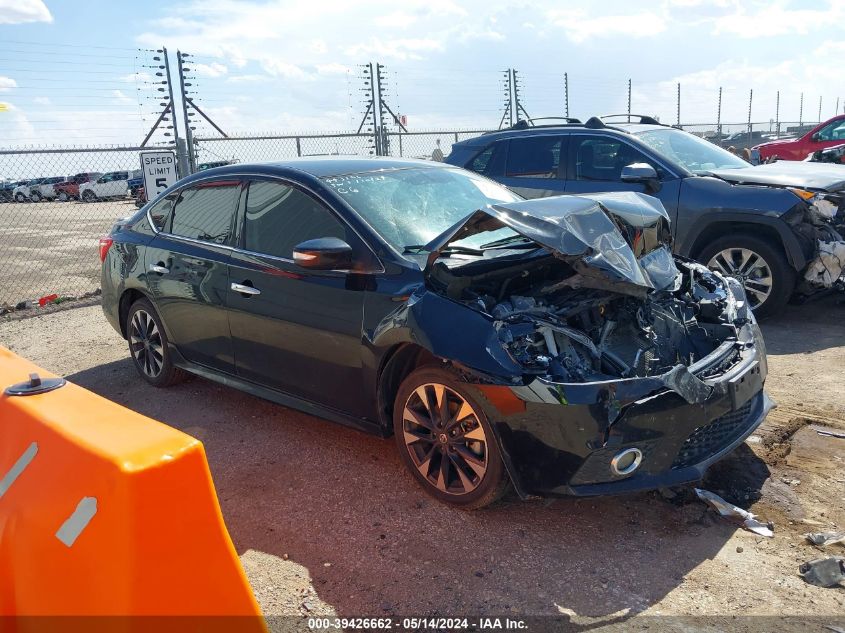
[
  {"x": 326, "y": 520},
  {"x": 51, "y": 247}
]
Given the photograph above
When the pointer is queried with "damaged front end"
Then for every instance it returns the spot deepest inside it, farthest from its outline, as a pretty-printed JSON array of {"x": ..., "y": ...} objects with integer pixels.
[
  {"x": 819, "y": 223},
  {"x": 638, "y": 369}
]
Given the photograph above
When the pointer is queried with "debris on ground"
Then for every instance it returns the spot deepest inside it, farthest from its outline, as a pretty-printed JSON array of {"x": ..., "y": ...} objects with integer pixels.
[
  {"x": 730, "y": 511},
  {"x": 823, "y": 572},
  {"x": 831, "y": 434},
  {"x": 825, "y": 538}
]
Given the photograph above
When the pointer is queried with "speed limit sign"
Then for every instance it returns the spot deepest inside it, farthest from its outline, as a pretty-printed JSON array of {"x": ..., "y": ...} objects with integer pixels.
[{"x": 159, "y": 169}]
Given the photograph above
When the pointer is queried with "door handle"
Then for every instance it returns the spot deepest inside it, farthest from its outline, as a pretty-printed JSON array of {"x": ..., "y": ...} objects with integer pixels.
[
  {"x": 245, "y": 290},
  {"x": 157, "y": 268}
]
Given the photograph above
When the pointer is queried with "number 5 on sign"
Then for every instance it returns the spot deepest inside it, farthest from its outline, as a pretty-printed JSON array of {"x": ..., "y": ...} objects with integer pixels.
[{"x": 159, "y": 169}]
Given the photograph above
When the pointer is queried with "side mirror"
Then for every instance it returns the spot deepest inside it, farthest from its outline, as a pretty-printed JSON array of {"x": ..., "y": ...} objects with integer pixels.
[
  {"x": 324, "y": 253},
  {"x": 641, "y": 173},
  {"x": 815, "y": 138}
]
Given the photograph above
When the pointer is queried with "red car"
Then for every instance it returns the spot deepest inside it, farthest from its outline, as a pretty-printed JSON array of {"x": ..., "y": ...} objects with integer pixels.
[
  {"x": 69, "y": 189},
  {"x": 827, "y": 134}
]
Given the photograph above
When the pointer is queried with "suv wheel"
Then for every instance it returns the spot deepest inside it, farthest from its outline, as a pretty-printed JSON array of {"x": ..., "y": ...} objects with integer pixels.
[
  {"x": 63, "y": 197},
  {"x": 445, "y": 440},
  {"x": 19, "y": 197},
  {"x": 148, "y": 346},
  {"x": 35, "y": 196},
  {"x": 89, "y": 196},
  {"x": 759, "y": 266}
]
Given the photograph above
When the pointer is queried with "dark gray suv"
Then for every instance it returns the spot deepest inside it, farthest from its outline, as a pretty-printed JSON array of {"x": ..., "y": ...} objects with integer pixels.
[{"x": 775, "y": 228}]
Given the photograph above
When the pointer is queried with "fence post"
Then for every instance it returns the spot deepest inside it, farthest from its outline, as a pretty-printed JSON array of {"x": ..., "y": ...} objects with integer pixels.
[
  {"x": 801, "y": 113},
  {"x": 679, "y": 104},
  {"x": 566, "y": 94},
  {"x": 820, "y": 109},
  {"x": 719, "y": 118},
  {"x": 629, "y": 100},
  {"x": 750, "y": 97},
  {"x": 182, "y": 160},
  {"x": 777, "y": 114},
  {"x": 298, "y": 147}
]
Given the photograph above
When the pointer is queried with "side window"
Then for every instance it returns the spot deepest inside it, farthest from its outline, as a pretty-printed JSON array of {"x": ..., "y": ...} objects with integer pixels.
[
  {"x": 278, "y": 217},
  {"x": 833, "y": 132},
  {"x": 490, "y": 161},
  {"x": 206, "y": 212},
  {"x": 602, "y": 158},
  {"x": 160, "y": 211},
  {"x": 534, "y": 157}
]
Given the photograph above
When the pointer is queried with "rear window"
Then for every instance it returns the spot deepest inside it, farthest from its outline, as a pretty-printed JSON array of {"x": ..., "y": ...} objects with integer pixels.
[
  {"x": 206, "y": 213},
  {"x": 534, "y": 157}
]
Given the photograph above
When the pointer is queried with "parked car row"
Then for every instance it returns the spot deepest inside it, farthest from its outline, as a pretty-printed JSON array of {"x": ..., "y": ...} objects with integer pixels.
[{"x": 86, "y": 186}]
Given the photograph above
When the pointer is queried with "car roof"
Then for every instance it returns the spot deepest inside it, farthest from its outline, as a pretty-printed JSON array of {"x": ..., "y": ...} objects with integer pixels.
[
  {"x": 323, "y": 166},
  {"x": 623, "y": 128}
]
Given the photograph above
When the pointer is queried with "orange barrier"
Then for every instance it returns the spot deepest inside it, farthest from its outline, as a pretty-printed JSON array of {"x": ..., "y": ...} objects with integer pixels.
[{"x": 106, "y": 512}]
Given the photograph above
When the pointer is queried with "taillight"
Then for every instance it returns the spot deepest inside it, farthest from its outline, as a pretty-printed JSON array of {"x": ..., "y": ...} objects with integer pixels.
[{"x": 105, "y": 245}]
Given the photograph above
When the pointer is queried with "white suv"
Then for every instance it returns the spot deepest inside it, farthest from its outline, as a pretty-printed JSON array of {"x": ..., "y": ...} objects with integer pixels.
[
  {"x": 113, "y": 184},
  {"x": 44, "y": 188}
]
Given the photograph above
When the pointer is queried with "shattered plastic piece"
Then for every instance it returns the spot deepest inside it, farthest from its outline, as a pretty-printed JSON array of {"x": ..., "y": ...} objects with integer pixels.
[
  {"x": 827, "y": 267},
  {"x": 825, "y": 538},
  {"x": 47, "y": 299},
  {"x": 823, "y": 572},
  {"x": 749, "y": 520}
]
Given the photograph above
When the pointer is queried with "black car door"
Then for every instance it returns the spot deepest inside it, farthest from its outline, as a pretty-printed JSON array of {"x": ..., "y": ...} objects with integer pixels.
[
  {"x": 186, "y": 269},
  {"x": 296, "y": 330},
  {"x": 595, "y": 163}
]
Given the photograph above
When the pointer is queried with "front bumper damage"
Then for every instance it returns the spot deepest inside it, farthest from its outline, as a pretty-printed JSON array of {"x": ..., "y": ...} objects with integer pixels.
[
  {"x": 559, "y": 439},
  {"x": 820, "y": 223}
]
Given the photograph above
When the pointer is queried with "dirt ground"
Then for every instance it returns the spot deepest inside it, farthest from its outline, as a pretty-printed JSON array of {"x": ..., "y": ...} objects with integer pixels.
[{"x": 326, "y": 520}]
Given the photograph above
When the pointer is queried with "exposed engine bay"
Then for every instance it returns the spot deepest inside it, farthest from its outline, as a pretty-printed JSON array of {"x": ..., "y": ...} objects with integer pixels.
[{"x": 587, "y": 334}]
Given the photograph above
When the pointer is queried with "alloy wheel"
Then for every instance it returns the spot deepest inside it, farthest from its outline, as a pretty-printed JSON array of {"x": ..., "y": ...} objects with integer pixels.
[
  {"x": 145, "y": 343},
  {"x": 63, "y": 197},
  {"x": 749, "y": 269},
  {"x": 445, "y": 439}
]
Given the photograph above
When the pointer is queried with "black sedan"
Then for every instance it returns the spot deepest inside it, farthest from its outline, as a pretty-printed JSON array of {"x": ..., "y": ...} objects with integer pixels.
[{"x": 553, "y": 344}]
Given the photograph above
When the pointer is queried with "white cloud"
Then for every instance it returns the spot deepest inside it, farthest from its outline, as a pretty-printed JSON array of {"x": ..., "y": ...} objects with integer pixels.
[
  {"x": 278, "y": 68},
  {"x": 331, "y": 69},
  {"x": 212, "y": 70},
  {"x": 396, "y": 20},
  {"x": 247, "y": 78},
  {"x": 397, "y": 49},
  {"x": 42, "y": 100},
  {"x": 774, "y": 19},
  {"x": 7, "y": 83},
  {"x": 120, "y": 97},
  {"x": 21, "y": 11},
  {"x": 139, "y": 77},
  {"x": 579, "y": 27}
]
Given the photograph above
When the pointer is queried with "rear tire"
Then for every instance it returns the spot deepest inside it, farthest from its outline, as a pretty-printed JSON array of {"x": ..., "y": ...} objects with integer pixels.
[
  {"x": 19, "y": 197},
  {"x": 35, "y": 196},
  {"x": 63, "y": 197},
  {"x": 148, "y": 346},
  {"x": 88, "y": 196},
  {"x": 445, "y": 440},
  {"x": 760, "y": 266}
]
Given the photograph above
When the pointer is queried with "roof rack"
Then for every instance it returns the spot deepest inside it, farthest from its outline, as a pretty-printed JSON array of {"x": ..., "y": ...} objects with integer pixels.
[
  {"x": 524, "y": 124},
  {"x": 644, "y": 119}
]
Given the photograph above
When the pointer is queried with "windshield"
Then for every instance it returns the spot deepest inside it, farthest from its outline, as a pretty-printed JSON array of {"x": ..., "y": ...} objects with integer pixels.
[
  {"x": 694, "y": 153},
  {"x": 410, "y": 207}
]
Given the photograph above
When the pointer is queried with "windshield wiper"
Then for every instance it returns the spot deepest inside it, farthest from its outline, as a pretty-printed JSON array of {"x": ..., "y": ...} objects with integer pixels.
[
  {"x": 416, "y": 248},
  {"x": 512, "y": 241}
]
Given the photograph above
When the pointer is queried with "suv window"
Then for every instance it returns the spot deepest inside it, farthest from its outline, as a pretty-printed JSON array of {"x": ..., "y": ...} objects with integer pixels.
[
  {"x": 602, "y": 158},
  {"x": 490, "y": 161},
  {"x": 206, "y": 212},
  {"x": 833, "y": 132},
  {"x": 279, "y": 216},
  {"x": 534, "y": 157}
]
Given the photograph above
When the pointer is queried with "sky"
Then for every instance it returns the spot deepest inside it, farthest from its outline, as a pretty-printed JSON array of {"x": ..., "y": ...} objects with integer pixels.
[{"x": 75, "y": 75}]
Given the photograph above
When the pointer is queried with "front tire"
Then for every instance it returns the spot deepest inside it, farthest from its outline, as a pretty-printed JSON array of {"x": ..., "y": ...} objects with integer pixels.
[
  {"x": 445, "y": 440},
  {"x": 19, "y": 197},
  {"x": 63, "y": 197},
  {"x": 760, "y": 266},
  {"x": 148, "y": 346},
  {"x": 88, "y": 196},
  {"x": 35, "y": 196}
]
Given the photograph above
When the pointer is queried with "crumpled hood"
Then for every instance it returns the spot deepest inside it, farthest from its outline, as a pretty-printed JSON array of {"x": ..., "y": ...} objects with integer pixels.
[
  {"x": 618, "y": 238},
  {"x": 786, "y": 173}
]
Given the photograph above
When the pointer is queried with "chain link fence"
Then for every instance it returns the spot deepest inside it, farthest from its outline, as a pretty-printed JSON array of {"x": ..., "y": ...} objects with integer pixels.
[
  {"x": 54, "y": 206},
  {"x": 55, "y": 203}
]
